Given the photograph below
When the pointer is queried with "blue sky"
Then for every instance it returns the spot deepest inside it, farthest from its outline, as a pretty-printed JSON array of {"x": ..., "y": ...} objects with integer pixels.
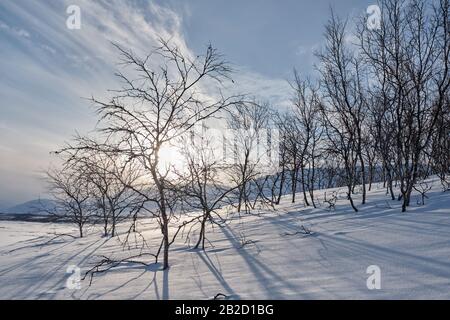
[{"x": 46, "y": 70}]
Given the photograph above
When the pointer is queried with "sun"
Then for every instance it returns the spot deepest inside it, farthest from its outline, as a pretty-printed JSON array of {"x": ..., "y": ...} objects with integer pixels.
[{"x": 171, "y": 160}]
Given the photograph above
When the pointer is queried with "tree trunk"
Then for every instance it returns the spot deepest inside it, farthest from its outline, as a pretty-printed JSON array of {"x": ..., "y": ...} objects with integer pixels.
[
  {"x": 281, "y": 186},
  {"x": 165, "y": 231},
  {"x": 303, "y": 186},
  {"x": 241, "y": 196},
  {"x": 363, "y": 176},
  {"x": 105, "y": 228},
  {"x": 201, "y": 238},
  {"x": 350, "y": 198},
  {"x": 134, "y": 222},
  {"x": 113, "y": 228},
  {"x": 311, "y": 183},
  {"x": 294, "y": 184}
]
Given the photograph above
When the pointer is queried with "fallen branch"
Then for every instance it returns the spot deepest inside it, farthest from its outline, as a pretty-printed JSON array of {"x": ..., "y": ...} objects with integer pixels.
[
  {"x": 303, "y": 231},
  {"x": 247, "y": 242},
  {"x": 108, "y": 264}
]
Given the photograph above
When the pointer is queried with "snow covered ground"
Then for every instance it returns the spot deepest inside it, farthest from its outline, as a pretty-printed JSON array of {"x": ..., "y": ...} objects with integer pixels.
[{"x": 412, "y": 250}]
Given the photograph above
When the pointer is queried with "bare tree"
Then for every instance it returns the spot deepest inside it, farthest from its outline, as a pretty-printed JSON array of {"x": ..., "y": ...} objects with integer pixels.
[
  {"x": 344, "y": 102},
  {"x": 249, "y": 122},
  {"x": 307, "y": 113},
  {"x": 440, "y": 148},
  {"x": 113, "y": 184},
  {"x": 70, "y": 191},
  {"x": 204, "y": 184},
  {"x": 293, "y": 145},
  {"x": 411, "y": 52},
  {"x": 279, "y": 178},
  {"x": 156, "y": 105}
]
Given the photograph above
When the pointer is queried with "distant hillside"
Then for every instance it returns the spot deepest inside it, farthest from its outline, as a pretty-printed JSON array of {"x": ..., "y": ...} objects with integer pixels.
[{"x": 34, "y": 207}]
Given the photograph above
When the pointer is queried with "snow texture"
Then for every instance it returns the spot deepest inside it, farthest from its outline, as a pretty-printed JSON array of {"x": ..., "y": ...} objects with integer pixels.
[{"x": 280, "y": 260}]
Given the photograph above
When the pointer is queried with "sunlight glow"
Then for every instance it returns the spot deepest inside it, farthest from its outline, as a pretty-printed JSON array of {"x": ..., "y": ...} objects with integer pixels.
[{"x": 171, "y": 160}]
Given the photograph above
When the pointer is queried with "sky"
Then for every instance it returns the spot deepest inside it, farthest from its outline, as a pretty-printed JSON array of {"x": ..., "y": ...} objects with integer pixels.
[{"x": 47, "y": 71}]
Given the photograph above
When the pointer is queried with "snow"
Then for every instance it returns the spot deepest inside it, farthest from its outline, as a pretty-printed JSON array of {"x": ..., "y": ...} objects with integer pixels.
[{"x": 412, "y": 250}]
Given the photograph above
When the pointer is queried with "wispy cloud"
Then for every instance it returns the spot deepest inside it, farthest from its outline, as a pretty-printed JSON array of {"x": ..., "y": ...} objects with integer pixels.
[
  {"x": 14, "y": 31},
  {"x": 47, "y": 69}
]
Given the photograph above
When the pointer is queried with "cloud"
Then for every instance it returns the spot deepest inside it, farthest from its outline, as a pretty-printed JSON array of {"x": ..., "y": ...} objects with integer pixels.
[
  {"x": 48, "y": 71},
  {"x": 46, "y": 74},
  {"x": 273, "y": 90},
  {"x": 14, "y": 31}
]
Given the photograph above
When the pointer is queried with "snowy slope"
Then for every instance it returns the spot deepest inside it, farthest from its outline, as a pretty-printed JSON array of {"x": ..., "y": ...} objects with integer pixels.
[{"x": 412, "y": 250}]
